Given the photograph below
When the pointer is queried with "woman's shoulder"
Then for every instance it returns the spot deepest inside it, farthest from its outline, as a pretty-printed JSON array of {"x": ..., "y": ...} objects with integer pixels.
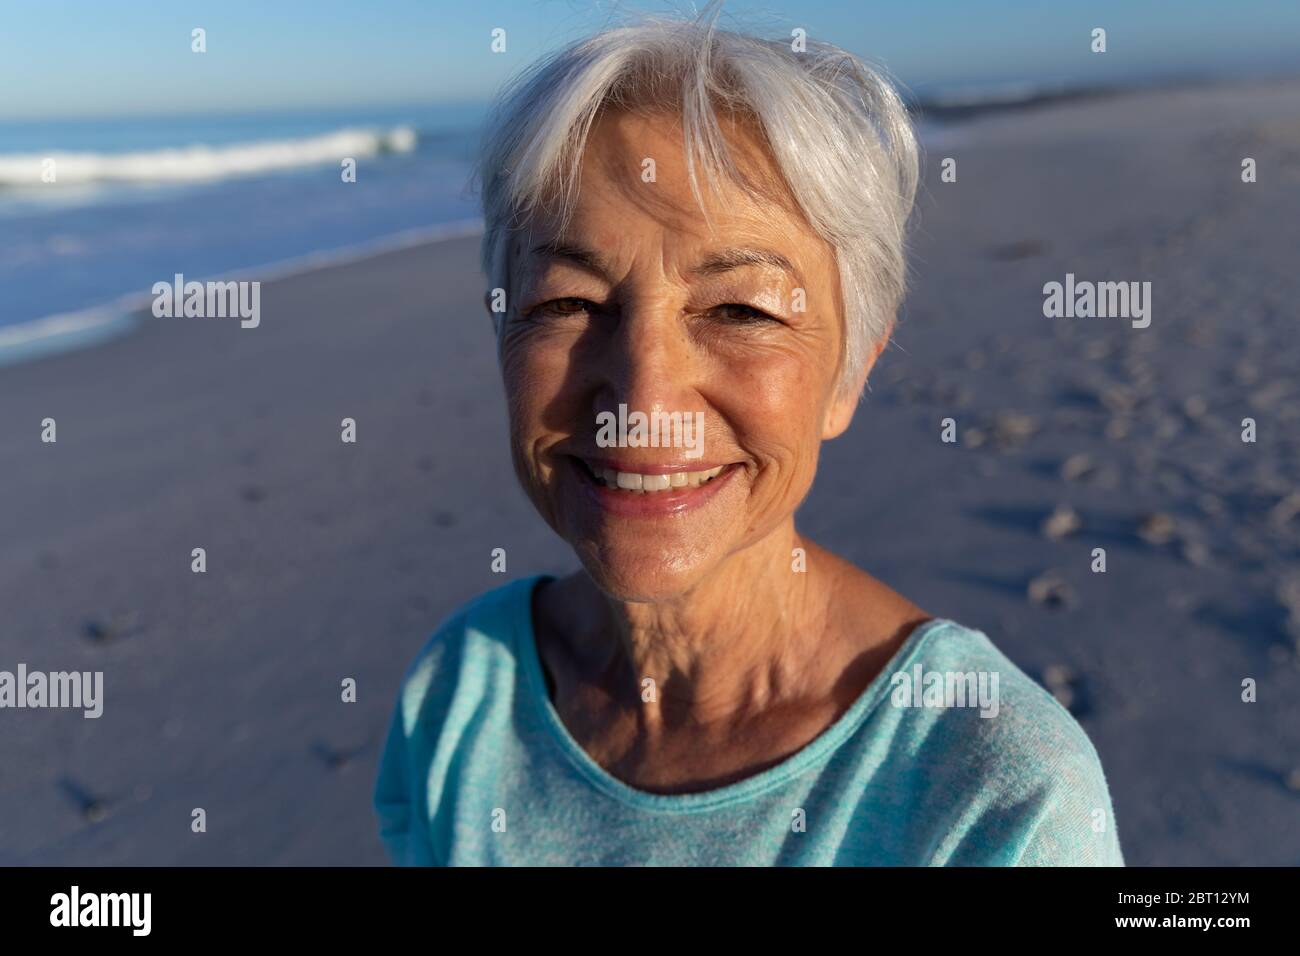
[
  {"x": 989, "y": 730},
  {"x": 958, "y": 655},
  {"x": 464, "y": 653},
  {"x": 1010, "y": 704},
  {"x": 457, "y": 672}
]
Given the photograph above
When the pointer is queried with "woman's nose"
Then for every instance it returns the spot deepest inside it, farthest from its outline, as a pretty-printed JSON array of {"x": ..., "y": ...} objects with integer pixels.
[{"x": 652, "y": 365}]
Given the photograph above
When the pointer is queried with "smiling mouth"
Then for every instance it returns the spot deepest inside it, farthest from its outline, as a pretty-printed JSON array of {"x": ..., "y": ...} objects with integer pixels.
[{"x": 638, "y": 483}]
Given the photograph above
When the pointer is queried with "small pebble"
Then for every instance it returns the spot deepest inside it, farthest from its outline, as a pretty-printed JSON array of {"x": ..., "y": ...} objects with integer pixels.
[
  {"x": 1118, "y": 399},
  {"x": 1013, "y": 428},
  {"x": 1076, "y": 467},
  {"x": 1286, "y": 509},
  {"x": 1157, "y": 528},
  {"x": 1057, "y": 675},
  {"x": 1288, "y": 592},
  {"x": 1049, "y": 590},
  {"x": 1061, "y": 523},
  {"x": 1117, "y": 429}
]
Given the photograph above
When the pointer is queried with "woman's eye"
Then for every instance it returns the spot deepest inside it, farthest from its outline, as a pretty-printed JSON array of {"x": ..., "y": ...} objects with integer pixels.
[
  {"x": 742, "y": 314},
  {"x": 566, "y": 306}
]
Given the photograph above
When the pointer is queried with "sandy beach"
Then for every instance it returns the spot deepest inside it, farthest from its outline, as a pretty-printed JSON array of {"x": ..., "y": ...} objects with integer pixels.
[{"x": 328, "y": 561}]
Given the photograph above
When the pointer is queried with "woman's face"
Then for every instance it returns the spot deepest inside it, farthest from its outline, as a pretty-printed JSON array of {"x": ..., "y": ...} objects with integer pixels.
[{"x": 637, "y": 304}]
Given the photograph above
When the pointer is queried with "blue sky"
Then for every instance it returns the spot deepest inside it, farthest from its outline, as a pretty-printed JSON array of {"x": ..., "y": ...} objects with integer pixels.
[{"x": 97, "y": 58}]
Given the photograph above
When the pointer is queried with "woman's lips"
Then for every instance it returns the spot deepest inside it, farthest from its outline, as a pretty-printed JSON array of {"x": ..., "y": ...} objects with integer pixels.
[{"x": 649, "y": 490}]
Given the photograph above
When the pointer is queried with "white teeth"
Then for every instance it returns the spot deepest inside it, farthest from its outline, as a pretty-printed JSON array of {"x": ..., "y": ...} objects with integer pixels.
[{"x": 649, "y": 484}]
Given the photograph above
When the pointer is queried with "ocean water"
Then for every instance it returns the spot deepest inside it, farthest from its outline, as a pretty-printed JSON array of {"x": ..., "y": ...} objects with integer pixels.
[{"x": 137, "y": 200}]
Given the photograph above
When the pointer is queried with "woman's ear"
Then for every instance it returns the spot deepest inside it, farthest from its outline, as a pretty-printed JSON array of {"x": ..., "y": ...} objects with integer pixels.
[{"x": 839, "y": 414}]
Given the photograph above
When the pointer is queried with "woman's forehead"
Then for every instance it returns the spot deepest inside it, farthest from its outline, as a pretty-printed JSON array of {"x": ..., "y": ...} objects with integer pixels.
[
  {"x": 632, "y": 150},
  {"x": 635, "y": 188}
]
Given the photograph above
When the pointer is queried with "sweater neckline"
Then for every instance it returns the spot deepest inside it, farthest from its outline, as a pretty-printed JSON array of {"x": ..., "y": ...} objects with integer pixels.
[{"x": 815, "y": 752}]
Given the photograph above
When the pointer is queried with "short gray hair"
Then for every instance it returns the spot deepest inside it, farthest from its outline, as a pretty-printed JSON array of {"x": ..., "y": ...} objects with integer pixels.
[{"x": 836, "y": 129}]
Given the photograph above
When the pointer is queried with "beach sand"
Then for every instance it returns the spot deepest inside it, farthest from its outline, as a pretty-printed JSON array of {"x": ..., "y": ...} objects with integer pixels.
[{"x": 328, "y": 561}]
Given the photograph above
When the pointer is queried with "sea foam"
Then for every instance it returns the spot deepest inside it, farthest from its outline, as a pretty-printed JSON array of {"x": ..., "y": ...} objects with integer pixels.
[{"x": 201, "y": 162}]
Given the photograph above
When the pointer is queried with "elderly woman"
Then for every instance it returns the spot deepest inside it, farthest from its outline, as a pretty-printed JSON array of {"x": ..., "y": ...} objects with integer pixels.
[{"x": 692, "y": 225}]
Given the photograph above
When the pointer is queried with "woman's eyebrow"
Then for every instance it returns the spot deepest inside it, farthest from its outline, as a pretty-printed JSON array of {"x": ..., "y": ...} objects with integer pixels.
[
  {"x": 572, "y": 253},
  {"x": 728, "y": 259},
  {"x": 714, "y": 263}
]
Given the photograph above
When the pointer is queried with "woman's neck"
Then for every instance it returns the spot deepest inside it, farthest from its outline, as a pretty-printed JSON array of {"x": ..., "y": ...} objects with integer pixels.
[{"x": 752, "y": 635}]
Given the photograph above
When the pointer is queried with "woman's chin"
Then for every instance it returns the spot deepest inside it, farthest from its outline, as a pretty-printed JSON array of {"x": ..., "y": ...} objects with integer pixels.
[{"x": 641, "y": 576}]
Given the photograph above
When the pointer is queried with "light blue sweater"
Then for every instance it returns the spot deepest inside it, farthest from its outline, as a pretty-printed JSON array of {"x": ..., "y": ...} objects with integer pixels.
[{"x": 478, "y": 769}]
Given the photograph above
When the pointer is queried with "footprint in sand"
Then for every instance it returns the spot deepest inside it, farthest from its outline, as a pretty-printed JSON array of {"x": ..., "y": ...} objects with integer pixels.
[
  {"x": 100, "y": 631},
  {"x": 1023, "y": 249},
  {"x": 336, "y": 758},
  {"x": 92, "y": 808}
]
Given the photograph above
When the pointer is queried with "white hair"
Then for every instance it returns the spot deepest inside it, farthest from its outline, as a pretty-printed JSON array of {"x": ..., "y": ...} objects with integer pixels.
[{"x": 836, "y": 129}]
